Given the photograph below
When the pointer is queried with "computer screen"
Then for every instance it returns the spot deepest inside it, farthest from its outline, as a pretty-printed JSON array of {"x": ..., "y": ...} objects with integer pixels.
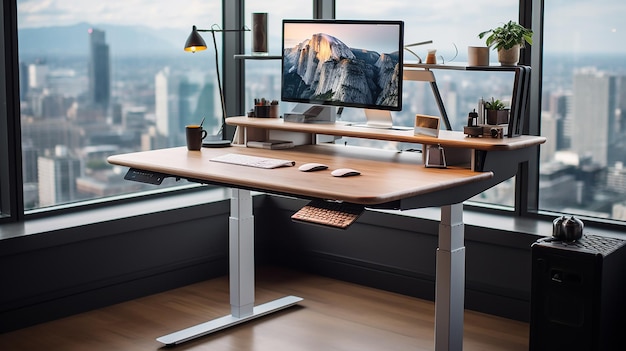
[{"x": 351, "y": 63}]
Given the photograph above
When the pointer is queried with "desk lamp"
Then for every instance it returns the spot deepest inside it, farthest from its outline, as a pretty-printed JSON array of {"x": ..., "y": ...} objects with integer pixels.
[{"x": 196, "y": 43}]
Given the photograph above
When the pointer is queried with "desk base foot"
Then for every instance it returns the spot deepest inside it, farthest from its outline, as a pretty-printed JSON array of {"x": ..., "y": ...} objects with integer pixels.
[{"x": 227, "y": 321}]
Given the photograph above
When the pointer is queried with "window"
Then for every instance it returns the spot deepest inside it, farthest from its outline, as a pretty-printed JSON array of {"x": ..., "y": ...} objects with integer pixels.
[
  {"x": 69, "y": 124},
  {"x": 97, "y": 79},
  {"x": 584, "y": 100},
  {"x": 263, "y": 76},
  {"x": 452, "y": 26}
]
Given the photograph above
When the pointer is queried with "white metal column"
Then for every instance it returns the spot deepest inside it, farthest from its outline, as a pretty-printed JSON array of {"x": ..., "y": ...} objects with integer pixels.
[
  {"x": 450, "y": 283},
  {"x": 241, "y": 256},
  {"x": 241, "y": 253}
]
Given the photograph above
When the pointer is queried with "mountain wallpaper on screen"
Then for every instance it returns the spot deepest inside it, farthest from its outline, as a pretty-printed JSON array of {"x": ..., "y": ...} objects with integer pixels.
[{"x": 323, "y": 68}]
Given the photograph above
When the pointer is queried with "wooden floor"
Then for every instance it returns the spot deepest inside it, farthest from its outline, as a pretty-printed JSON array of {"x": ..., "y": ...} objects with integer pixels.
[{"x": 334, "y": 315}]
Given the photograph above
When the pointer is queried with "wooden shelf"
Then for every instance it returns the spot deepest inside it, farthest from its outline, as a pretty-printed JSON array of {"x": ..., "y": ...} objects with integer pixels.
[
  {"x": 446, "y": 138},
  {"x": 462, "y": 66},
  {"x": 257, "y": 57}
]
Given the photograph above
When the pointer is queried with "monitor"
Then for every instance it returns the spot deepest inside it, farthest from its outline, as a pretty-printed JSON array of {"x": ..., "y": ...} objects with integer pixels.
[{"x": 345, "y": 63}]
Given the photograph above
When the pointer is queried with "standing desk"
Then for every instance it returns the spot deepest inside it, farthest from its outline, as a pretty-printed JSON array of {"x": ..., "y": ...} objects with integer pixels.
[{"x": 389, "y": 179}]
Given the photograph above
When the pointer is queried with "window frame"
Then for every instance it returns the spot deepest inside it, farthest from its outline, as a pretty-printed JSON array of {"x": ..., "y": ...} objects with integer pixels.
[
  {"x": 11, "y": 191},
  {"x": 233, "y": 71}
]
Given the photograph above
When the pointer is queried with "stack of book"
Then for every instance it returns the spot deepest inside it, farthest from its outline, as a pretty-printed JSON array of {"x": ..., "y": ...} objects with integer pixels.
[{"x": 271, "y": 144}]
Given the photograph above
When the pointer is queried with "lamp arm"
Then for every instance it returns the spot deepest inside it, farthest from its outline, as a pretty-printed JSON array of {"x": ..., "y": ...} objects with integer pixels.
[
  {"x": 419, "y": 59},
  {"x": 217, "y": 68},
  {"x": 219, "y": 85},
  {"x": 419, "y": 43}
]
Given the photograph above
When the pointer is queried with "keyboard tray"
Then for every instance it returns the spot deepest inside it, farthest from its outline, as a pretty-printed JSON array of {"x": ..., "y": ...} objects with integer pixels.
[{"x": 329, "y": 213}]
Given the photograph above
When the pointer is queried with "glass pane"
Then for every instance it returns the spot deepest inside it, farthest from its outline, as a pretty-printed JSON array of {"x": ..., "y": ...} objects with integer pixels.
[
  {"x": 263, "y": 76},
  {"x": 584, "y": 95},
  {"x": 452, "y": 26},
  {"x": 101, "y": 78}
]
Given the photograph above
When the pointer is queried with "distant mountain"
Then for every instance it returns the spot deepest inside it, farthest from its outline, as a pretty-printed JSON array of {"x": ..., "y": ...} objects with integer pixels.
[
  {"x": 323, "y": 68},
  {"x": 122, "y": 40}
]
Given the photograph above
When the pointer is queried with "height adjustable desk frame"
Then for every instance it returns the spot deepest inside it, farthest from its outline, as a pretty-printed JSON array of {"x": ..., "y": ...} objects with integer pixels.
[
  {"x": 484, "y": 162},
  {"x": 241, "y": 268}
]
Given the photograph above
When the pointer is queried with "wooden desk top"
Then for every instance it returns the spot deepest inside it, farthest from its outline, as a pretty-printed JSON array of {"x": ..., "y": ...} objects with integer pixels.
[
  {"x": 386, "y": 176},
  {"x": 446, "y": 138}
]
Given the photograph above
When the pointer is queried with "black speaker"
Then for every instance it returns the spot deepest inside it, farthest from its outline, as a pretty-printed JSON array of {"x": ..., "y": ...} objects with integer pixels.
[{"x": 578, "y": 294}]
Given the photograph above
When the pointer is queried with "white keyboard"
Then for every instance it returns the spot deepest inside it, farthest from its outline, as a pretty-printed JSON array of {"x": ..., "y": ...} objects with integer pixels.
[{"x": 253, "y": 161}]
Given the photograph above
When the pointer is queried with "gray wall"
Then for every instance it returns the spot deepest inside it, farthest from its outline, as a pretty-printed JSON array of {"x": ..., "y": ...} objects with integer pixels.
[
  {"x": 59, "y": 272},
  {"x": 397, "y": 252}
]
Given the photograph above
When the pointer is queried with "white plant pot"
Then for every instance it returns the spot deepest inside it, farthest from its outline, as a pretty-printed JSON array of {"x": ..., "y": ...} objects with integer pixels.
[{"x": 509, "y": 57}]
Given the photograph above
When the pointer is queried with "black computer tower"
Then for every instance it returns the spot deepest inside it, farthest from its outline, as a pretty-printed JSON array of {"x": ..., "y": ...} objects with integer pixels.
[{"x": 578, "y": 294}]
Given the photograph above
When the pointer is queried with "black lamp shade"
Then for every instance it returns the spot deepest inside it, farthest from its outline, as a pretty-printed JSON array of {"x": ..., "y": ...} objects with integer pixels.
[{"x": 194, "y": 41}]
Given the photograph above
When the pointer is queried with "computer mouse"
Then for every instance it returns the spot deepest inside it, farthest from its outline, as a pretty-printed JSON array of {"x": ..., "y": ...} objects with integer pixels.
[
  {"x": 345, "y": 172},
  {"x": 312, "y": 167}
]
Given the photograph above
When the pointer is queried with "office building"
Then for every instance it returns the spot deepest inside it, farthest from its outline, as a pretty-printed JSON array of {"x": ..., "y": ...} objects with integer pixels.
[
  {"x": 621, "y": 102},
  {"x": 561, "y": 111},
  {"x": 47, "y": 133},
  {"x": 37, "y": 74},
  {"x": 57, "y": 175},
  {"x": 593, "y": 114},
  {"x": 616, "y": 178},
  {"x": 99, "y": 69},
  {"x": 180, "y": 101},
  {"x": 24, "y": 78},
  {"x": 65, "y": 82},
  {"x": 166, "y": 102},
  {"x": 29, "y": 163},
  {"x": 204, "y": 107},
  {"x": 134, "y": 118},
  {"x": 549, "y": 128},
  {"x": 619, "y": 210},
  {"x": 195, "y": 101}
]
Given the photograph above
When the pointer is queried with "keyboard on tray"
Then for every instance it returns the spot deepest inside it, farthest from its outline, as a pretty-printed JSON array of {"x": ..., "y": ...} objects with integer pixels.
[{"x": 329, "y": 213}]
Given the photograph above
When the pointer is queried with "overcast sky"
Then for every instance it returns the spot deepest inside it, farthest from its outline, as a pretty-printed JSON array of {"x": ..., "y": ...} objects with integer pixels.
[{"x": 593, "y": 25}]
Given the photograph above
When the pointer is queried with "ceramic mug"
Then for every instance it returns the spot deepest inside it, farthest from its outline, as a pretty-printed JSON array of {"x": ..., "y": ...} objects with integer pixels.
[{"x": 195, "y": 135}]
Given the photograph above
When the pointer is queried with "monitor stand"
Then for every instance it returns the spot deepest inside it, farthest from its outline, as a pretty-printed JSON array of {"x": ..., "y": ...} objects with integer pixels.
[
  {"x": 306, "y": 113},
  {"x": 380, "y": 119}
]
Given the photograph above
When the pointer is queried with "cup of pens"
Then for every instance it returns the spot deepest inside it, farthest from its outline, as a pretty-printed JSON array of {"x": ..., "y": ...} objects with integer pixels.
[{"x": 264, "y": 108}]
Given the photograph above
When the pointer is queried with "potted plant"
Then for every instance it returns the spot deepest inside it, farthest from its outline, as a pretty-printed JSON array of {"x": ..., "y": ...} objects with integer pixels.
[
  {"x": 496, "y": 112},
  {"x": 508, "y": 39}
]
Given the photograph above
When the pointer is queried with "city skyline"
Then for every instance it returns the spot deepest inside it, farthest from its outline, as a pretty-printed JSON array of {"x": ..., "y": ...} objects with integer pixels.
[
  {"x": 423, "y": 21},
  {"x": 454, "y": 94}
]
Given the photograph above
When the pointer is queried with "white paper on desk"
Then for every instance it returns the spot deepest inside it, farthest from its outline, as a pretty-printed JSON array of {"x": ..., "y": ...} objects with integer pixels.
[{"x": 253, "y": 161}]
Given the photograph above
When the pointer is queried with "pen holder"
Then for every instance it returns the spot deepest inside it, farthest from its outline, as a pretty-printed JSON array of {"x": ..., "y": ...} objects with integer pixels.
[
  {"x": 262, "y": 111},
  {"x": 274, "y": 111}
]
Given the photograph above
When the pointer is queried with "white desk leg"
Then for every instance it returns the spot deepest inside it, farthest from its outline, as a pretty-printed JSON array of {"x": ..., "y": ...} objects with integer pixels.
[
  {"x": 450, "y": 284},
  {"x": 241, "y": 257},
  {"x": 241, "y": 253}
]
